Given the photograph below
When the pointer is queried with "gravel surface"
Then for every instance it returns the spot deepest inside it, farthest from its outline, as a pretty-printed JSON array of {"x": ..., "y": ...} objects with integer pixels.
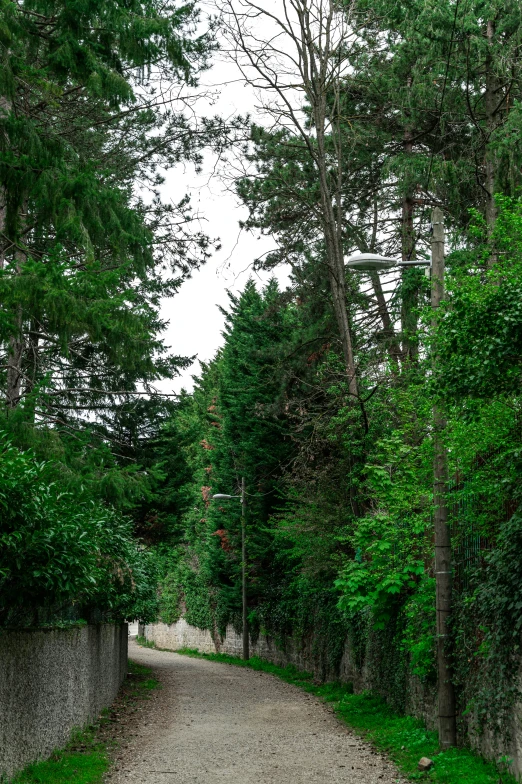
[{"x": 211, "y": 723}]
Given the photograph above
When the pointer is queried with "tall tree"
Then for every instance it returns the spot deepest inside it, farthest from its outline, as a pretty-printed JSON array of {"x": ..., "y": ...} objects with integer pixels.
[
  {"x": 85, "y": 259},
  {"x": 299, "y": 66}
]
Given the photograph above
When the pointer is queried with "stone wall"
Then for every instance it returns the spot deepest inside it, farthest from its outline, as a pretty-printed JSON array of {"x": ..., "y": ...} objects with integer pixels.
[
  {"x": 182, "y": 635},
  {"x": 52, "y": 681},
  {"x": 420, "y": 701}
]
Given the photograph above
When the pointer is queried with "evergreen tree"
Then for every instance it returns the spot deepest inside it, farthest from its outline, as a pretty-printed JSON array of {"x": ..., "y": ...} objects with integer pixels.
[
  {"x": 84, "y": 259},
  {"x": 240, "y": 432}
]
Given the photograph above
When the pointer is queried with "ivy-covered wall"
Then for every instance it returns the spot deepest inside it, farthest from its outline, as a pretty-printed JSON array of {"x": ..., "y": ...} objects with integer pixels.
[{"x": 373, "y": 661}]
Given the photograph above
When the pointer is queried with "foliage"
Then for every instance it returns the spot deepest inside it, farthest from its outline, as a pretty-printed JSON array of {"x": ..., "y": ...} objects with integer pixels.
[
  {"x": 344, "y": 552},
  {"x": 80, "y": 125},
  {"x": 489, "y": 672},
  {"x": 91, "y": 113},
  {"x": 480, "y": 332},
  {"x": 231, "y": 428},
  {"x": 338, "y": 486},
  {"x": 419, "y": 632},
  {"x": 170, "y": 587},
  {"x": 59, "y": 551}
]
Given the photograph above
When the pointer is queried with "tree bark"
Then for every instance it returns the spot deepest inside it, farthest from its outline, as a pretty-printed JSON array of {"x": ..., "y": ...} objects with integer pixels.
[
  {"x": 5, "y": 108},
  {"x": 30, "y": 359},
  {"x": 490, "y": 100},
  {"x": 410, "y": 299},
  {"x": 443, "y": 565},
  {"x": 16, "y": 341},
  {"x": 14, "y": 365},
  {"x": 394, "y": 349},
  {"x": 332, "y": 225},
  {"x": 315, "y": 33}
]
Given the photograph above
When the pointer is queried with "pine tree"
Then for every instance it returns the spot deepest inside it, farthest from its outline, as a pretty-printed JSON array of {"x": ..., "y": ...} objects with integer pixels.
[{"x": 84, "y": 259}]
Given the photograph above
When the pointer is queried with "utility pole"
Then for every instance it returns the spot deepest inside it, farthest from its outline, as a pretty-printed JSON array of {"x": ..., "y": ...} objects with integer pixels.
[
  {"x": 242, "y": 499},
  {"x": 443, "y": 574},
  {"x": 369, "y": 262},
  {"x": 246, "y": 641}
]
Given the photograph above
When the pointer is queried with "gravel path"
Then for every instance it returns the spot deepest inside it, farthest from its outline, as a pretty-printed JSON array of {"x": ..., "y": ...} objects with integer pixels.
[{"x": 212, "y": 723}]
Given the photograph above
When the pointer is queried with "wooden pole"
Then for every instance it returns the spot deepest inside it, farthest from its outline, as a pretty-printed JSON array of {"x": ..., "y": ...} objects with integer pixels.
[
  {"x": 246, "y": 641},
  {"x": 443, "y": 573}
]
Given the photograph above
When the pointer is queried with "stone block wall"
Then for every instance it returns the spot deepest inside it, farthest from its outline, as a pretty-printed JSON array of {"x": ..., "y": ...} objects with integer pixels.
[
  {"x": 52, "y": 681},
  {"x": 183, "y": 635}
]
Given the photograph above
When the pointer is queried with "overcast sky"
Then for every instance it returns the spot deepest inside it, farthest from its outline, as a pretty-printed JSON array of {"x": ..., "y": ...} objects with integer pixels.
[{"x": 195, "y": 322}]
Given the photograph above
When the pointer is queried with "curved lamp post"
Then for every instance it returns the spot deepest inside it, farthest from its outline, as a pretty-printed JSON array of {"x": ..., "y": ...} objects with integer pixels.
[
  {"x": 368, "y": 262},
  {"x": 242, "y": 497}
]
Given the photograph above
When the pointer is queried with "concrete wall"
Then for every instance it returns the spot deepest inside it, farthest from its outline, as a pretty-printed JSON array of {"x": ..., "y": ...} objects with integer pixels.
[
  {"x": 420, "y": 701},
  {"x": 52, "y": 681}
]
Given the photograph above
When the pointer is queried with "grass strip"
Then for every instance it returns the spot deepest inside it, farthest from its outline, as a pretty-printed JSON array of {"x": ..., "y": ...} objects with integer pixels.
[
  {"x": 86, "y": 758},
  {"x": 404, "y": 739}
]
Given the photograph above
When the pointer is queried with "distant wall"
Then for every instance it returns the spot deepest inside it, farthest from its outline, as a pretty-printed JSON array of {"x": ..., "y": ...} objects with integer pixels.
[
  {"x": 420, "y": 701},
  {"x": 183, "y": 635},
  {"x": 52, "y": 681}
]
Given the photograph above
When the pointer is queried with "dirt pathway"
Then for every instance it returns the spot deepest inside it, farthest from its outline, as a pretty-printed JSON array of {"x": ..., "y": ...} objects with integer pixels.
[{"x": 212, "y": 723}]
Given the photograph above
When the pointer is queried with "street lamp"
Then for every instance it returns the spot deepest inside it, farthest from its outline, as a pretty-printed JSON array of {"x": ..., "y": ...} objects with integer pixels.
[
  {"x": 242, "y": 497},
  {"x": 369, "y": 262}
]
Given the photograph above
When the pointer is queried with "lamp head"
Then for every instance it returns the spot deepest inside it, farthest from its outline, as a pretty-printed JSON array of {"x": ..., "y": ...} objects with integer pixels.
[{"x": 367, "y": 262}]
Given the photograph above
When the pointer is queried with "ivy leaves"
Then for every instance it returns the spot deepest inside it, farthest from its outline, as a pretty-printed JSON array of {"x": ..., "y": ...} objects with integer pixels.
[{"x": 479, "y": 337}]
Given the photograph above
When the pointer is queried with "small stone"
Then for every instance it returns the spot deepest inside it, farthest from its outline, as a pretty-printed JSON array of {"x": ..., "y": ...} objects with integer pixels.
[{"x": 425, "y": 763}]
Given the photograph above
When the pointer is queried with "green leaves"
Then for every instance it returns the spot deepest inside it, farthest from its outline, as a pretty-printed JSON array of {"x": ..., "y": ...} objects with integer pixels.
[
  {"x": 59, "y": 551},
  {"x": 84, "y": 260},
  {"x": 390, "y": 559},
  {"x": 479, "y": 336}
]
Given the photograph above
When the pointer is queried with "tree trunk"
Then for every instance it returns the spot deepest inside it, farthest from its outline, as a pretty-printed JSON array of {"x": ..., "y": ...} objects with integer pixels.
[
  {"x": 410, "y": 298},
  {"x": 30, "y": 358},
  {"x": 14, "y": 364},
  {"x": 443, "y": 574},
  {"x": 333, "y": 242},
  {"x": 15, "y": 352},
  {"x": 246, "y": 630},
  {"x": 394, "y": 349},
  {"x": 16, "y": 341},
  {"x": 392, "y": 344},
  {"x": 490, "y": 100},
  {"x": 341, "y": 314},
  {"x": 3, "y": 217},
  {"x": 5, "y": 108}
]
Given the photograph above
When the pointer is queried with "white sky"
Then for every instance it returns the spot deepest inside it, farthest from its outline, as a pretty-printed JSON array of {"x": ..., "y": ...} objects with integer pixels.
[{"x": 195, "y": 323}]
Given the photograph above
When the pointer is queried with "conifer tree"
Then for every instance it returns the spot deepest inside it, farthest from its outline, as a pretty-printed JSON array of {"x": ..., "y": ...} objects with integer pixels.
[
  {"x": 85, "y": 258},
  {"x": 238, "y": 429}
]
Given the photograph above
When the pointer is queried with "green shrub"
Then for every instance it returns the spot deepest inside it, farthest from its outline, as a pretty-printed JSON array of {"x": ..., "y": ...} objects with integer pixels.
[{"x": 59, "y": 551}]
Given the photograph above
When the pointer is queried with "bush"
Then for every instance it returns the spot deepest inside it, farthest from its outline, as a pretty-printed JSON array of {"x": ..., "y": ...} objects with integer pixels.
[{"x": 60, "y": 553}]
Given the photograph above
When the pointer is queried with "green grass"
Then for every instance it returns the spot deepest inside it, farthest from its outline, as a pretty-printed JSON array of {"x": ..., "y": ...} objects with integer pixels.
[
  {"x": 86, "y": 758},
  {"x": 84, "y": 761},
  {"x": 80, "y": 768},
  {"x": 145, "y": 643},
  {"x": 404, "y": 739},
  {"x": 141, "y": 683}
]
